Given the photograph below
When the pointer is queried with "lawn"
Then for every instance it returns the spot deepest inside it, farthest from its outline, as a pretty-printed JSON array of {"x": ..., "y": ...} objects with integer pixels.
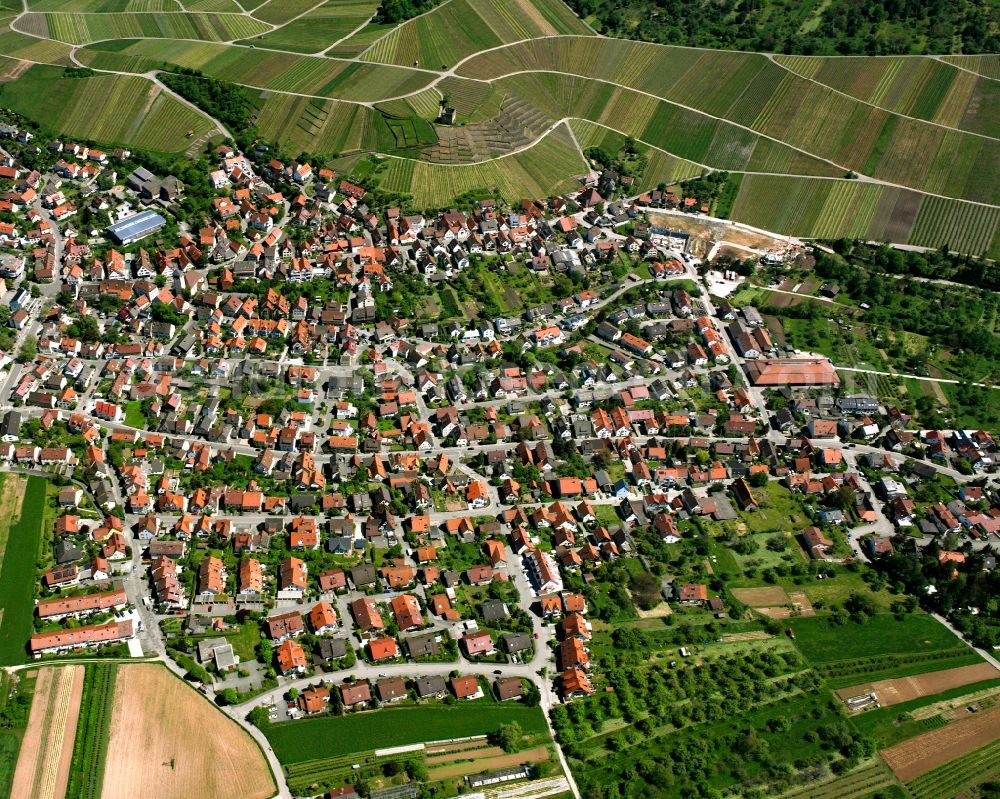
[
  {"x": 17, "y": 575},
  {"x": 779, "y": 511},
  {"x": 836, "y": 589},
  {"x": 822, "y": 642},
  {"x": 133, "y": 414},
  {"x": 245, "y": 641},
  {"x": 310, "y": 739}
]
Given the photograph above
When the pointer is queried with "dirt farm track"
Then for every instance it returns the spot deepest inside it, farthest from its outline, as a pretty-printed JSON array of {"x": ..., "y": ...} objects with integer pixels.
[
  {"x": 916, "y": 756},
  {"x": 903, "y": 689},
  {"x": 169, "y": 742}
]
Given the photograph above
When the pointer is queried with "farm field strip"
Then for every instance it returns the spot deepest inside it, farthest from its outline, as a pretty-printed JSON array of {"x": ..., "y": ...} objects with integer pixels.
[
  {"x": 303, "y": 742},
  {"x": 11, "y": 496},
  {"x": 286, "y": 72},
  {"x": 857, "y": 784},
  {"x": 794, "y": 206},
  {"x": 986, "y": 65},
  {"x": 109, "y": 6},
  {"x": 489, "y": 763},
  {"x": 278, "y": 12},
  {"x": 903, "y": 689},
  {"x": 43, "y": 763},
  {"x": 319, "y": 28},
  {"x": 17, "y": 575},
  {"x": 552, "y": 161},
  {"x": 43, "y": 51},
  {"x": 85, "y": 28},
  {"x": 106, "y": 108},
  {"x": 923, "y": 753},
  {"x": 959, "y": 774},
  {"x": 461, "y": 29},
  {"x": 90, "y": 748},
  {"x": 189, "y": 747},
  {"x": 925, "y": 88}
]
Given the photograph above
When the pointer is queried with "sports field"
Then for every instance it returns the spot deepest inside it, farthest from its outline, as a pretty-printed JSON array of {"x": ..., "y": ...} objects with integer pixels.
[{"x": 23, "y": 500}]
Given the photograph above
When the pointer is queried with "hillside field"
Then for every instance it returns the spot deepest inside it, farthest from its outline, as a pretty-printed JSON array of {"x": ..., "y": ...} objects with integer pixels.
[{"x": 899, "y": 149}]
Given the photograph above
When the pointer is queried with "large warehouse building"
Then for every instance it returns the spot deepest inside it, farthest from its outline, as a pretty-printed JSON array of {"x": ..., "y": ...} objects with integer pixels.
[
  {"x": 792, "y": 372},
  {"x": 135, "y": 227}
]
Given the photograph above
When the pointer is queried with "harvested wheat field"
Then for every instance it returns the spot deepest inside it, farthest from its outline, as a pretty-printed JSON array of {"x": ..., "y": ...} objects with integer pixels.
[
  {"x": 903, "y": 689},
  {"x": 179, "y": 745},
  {"x": 918, "y": 755},
  {"x": 47, "y": 748},
  {"x": 761, "y": 597}
]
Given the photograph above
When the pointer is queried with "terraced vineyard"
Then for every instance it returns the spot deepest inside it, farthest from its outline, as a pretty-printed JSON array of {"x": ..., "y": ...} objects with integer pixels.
[
  {"x": 552, "y": 161},
  {"x": 280, "y": 71},
  {"x": 326, "y": 126},
  {"x": 462, "y": 28},
  {"x": 319, "y": 28},
  {"x": 920, "y": 134},
  {"x": 115, "y": 6},
  {"x": 105, "y": 108},
  {"x": 83, "y": 28}
]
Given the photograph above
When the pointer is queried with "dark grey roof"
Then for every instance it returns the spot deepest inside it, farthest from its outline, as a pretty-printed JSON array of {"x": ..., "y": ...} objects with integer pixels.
[{"x": 431, "y": 686}]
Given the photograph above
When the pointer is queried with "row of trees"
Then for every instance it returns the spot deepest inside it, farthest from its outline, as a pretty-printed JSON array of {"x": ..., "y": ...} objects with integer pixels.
[{"x": 884, "y": 27}]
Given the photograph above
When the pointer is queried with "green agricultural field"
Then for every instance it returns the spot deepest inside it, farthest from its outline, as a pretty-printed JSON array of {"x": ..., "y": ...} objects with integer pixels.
[
  {"x": 324, "y": 127},
  {"x": 279, "y": 12},
  {"x": 822, "y": 642},
  {"x": 403, "y": 134},
  {"x": 771, "y": 99},
  {"x": 462, "y": 28},
  {"x": 311, "y": 739},
  {"x": 104, "y": 108},
  {"x": 84, "y": 28},
  {"x": 925, "y": 88},
  {"x": 112, "y": 6},
  {"x": 550, "y": 163},
  {"x": 283, "y": 72},
  {"x": 320, "y": 28},
  {"x": 17, "y": 574},
  {"x": 835, "y": 208},
  {"x": 43, "y": 51},
  {"x": 90, "y": 749}
]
